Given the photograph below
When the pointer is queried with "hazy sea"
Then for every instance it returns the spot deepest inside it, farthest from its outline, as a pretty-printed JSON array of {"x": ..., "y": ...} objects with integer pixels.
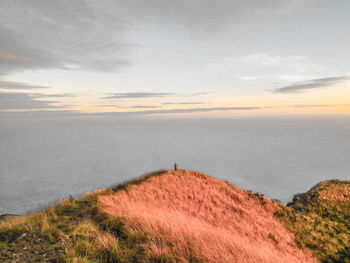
[{"x": 42, "y": 161}]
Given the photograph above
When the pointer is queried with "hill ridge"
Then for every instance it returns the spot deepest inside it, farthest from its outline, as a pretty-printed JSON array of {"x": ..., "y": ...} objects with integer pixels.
[
  {"x": 165, "y": 206},
  {"x": 182, "y": 216}
]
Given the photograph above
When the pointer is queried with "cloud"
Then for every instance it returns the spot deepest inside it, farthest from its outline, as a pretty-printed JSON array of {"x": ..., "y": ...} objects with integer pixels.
[
  {"x": 199, "y": 94},
  {"x": 70, "y": 113},
  {"x": 203, "y": 18},
  {"x": 89, "y": 34},
  {"x": 143, "y": 95},
  {"x": 130, "y": 106},
  {"x": 312, "y": 84},
  {"x": 59, "y": 34},
  {"x": 311, "y": 106},
  {"x": 19, "y": 85},
  {"x": 182, "y": 103},
  {"x": 137, "y": 95},
  {"x": 139, "y": 107},
  {"x": 24, "y": 101},
  {"x": 60, "y": 95},
  {"x": 190, "y": 110}
]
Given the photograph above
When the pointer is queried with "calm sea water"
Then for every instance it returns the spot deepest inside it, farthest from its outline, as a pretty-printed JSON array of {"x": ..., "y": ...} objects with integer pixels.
[{"x": 42, "y": 161}]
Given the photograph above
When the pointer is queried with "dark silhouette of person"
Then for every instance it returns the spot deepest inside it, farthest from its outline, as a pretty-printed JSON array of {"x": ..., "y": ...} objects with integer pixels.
[{"x": 175, "y": 166}]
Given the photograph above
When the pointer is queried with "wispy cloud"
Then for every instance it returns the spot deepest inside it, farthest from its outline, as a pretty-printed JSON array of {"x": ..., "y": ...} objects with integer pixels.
[
  {"x": 138, "y": 107},
  {"x": 311, "y": 106},
  {"x": 48, "y": 113},
  {"x": 12, "y": 85},
  {"x": 143, "y": 95},
  {"x": 200, "y": 93},
  {"x": 24, "y": 101},
  {"x": 190, "y": 110},
  {"x": 58, "y": 95},
  {"x": 311, "y": 84},
  {"x": 137, "y": 95},
  {"x": 182, "y": 103}
]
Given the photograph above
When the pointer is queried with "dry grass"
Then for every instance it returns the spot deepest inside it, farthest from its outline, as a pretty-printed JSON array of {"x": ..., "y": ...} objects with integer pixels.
[
  {"x": 192, "y": 217},
  {"x": 90, "y": 242},
  {"x": 334, "y": 190}
]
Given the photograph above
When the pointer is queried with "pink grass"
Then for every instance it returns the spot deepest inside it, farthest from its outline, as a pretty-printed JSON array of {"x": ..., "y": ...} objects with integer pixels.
[{"x": 194, "y": 216}]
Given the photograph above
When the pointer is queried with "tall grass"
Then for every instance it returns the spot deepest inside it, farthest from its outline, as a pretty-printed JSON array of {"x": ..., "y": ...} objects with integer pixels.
[
  {"x": 73, "y": 231},
  {"x": 190, "y": 217},
  {"x": 183, "y": 216},
  {"x": 320, "y": 220}
]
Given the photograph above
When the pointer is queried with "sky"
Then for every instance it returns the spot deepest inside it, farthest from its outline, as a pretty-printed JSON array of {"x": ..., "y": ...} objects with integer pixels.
[{"x": 174, "y": 58}]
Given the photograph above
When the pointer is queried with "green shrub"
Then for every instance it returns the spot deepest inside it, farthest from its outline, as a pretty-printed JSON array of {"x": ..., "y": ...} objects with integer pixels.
[{"x": 320, "y": 225}]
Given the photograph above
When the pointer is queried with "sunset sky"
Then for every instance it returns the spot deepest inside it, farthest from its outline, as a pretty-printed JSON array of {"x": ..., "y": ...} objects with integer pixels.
[{"x": 174, "y": 58}]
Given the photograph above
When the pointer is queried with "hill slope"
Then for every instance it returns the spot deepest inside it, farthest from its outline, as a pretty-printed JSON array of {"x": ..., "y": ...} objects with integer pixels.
[
  {"x": 320, "y": 220},
  {"x": 183, "y": 216},
  {"x": 191, "y": 217}
]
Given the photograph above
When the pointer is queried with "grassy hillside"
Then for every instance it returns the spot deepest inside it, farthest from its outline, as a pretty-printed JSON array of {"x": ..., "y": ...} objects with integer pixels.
[
  {"x": 320, "y": 220},
  {"x": 191, "y": 217},
  {"x": 74, "y": 231},
  {"x": 182, "y": 216}
]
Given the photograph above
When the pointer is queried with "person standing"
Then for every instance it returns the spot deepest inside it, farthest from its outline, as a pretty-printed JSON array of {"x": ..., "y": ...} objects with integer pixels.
[{"x": 175, "y": 166}]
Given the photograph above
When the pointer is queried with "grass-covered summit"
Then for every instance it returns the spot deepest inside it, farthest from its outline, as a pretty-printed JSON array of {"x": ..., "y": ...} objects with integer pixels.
[{"x": 181, "y": 216}]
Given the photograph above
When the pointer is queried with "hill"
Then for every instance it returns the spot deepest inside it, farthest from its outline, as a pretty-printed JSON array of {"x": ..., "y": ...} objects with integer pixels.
[
  {"x": 182, "y": 216},
  {"x": 320, "y": 220}
]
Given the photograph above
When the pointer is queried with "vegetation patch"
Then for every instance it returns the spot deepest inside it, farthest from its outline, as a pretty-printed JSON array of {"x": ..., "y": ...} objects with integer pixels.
[
  {"x": 186, "y": 217},
  {"x": 319, "y": 223},
  {"x": 191, "y": 217},
  {"x": 73, "y": 231}
]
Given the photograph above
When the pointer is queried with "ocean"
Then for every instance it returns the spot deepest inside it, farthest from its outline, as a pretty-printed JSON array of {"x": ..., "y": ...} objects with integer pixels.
[{"x": 43, "y": 161}]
